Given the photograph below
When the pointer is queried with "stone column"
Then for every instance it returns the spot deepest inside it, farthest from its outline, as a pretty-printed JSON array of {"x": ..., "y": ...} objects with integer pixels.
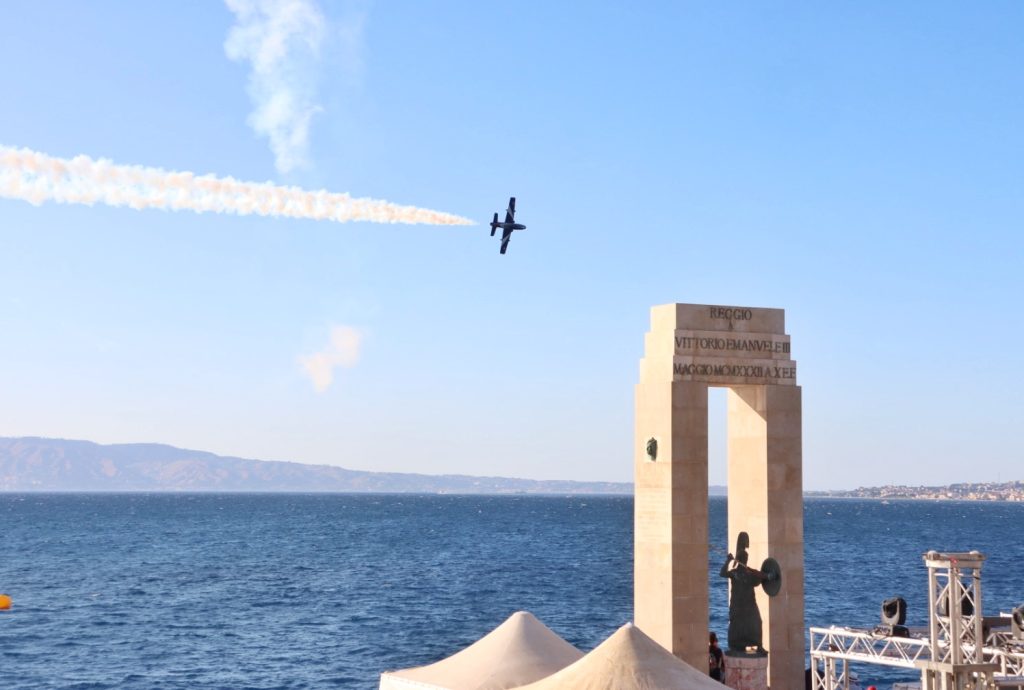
[
  {"x": 766, "y": 501},
  {"x": 671, "y": 518}
]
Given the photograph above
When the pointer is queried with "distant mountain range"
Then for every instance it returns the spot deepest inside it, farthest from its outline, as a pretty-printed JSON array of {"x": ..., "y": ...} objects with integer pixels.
[
  {"x": 44, "y": 464},
  {"x": 47, "y": 464}
]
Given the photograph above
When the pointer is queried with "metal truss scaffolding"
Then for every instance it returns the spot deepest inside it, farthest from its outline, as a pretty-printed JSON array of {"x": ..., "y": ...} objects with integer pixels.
[{"x": 958, "y": 650}]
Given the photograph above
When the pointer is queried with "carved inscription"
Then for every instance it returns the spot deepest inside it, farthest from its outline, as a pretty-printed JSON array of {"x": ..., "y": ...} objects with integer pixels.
[
  {"x": 734, "y": 344},
  {"x": 746, "y": 371},
  {"x": 717, "y": 344},
  {"x": 732, "y": 313}
]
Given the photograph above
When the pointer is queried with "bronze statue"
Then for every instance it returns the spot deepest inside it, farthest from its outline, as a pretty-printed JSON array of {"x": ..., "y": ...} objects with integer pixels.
[{"x": 744, "y": 616}]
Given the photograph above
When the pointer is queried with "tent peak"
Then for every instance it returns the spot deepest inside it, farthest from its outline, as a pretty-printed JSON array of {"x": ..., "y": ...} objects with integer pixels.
[
  {"x": 628, "y": 660},
  {"x": 519, "y": 651}
]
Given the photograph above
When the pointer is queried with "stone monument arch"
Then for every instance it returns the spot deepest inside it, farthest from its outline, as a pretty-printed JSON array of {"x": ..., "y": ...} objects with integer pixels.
[{"x": 689, "y": 348}]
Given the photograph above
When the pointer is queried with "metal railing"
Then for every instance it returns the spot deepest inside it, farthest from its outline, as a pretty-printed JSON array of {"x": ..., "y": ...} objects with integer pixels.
[
  {"x": 834, "y": 649},
  {"x": 862, "y": 645}
]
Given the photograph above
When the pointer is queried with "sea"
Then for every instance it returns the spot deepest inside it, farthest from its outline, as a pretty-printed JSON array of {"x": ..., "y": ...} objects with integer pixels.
[{"x": 327, "y": 590}]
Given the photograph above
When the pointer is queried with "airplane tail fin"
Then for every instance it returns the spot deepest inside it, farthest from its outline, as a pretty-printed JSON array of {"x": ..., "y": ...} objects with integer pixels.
[{"x": 494, "y": 224}]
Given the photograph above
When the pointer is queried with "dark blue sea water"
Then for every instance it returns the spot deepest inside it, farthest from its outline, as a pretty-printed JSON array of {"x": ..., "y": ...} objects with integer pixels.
[{"x": 326, "y": 591}]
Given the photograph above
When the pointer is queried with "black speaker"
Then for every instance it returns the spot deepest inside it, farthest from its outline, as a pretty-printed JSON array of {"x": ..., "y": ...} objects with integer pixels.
[
  {"x": 1017, "y": 622},
  {"x": 894, "y": 611}
]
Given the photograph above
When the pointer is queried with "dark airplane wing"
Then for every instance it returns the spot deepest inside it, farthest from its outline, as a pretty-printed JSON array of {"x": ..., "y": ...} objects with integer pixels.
[
  {"x": 505, "y": 238},
  {"x": 510, "y": 214}
]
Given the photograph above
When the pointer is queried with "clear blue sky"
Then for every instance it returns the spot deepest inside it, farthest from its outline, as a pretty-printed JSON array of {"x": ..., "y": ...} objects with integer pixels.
[{"x": 859, "y": 165}]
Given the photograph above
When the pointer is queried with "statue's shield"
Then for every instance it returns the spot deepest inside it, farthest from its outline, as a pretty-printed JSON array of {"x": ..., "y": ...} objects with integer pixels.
[{"x": 773, "y": 583}]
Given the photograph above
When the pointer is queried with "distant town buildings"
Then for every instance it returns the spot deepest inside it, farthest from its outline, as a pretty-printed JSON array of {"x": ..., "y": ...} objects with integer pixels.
[{"x": 980, "y": 491}]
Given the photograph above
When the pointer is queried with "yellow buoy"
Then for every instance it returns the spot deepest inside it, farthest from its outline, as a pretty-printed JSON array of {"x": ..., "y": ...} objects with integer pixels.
[{"x": 5, "y": 602}]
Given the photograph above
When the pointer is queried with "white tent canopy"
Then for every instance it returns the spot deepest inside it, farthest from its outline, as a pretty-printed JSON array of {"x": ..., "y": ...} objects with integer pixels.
[
  {"x": 628, "y": 660},
  {"x": 519, "y": 651}
]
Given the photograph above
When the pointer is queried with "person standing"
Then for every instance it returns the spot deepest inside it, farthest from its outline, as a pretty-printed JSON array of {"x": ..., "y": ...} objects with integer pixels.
[{"x": 716, "y": 659}]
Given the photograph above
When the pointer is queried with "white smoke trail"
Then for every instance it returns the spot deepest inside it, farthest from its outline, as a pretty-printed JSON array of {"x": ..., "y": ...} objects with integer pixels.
[
  {"x": 281, "y": 39},
  {"x": 35, "y": 177}
]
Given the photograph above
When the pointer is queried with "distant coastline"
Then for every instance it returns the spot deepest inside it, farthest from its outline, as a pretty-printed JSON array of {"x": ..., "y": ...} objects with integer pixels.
[
  {"x": 974, "y": 491},
  {"x": 32, "y": 464}
]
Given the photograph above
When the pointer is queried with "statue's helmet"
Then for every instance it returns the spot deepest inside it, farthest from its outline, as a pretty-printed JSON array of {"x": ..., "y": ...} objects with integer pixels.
[{"x": 742, "y": 544}]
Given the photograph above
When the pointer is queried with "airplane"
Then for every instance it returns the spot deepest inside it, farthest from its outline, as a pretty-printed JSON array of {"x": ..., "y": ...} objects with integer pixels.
[{"x": 508, "y": 226}]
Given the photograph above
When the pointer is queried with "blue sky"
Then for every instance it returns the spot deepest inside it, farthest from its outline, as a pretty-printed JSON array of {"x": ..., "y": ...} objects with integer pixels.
[{"x": 860, "y": 166}]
